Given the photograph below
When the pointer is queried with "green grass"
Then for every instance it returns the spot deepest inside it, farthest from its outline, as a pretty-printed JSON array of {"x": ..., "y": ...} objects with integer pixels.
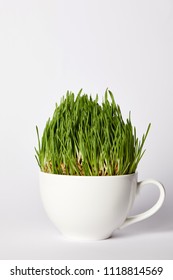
[{"x": 87, "y": 139}]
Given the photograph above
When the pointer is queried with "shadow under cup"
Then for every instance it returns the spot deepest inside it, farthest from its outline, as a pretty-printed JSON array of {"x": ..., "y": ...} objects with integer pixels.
[{"x": 92, "y": 207}]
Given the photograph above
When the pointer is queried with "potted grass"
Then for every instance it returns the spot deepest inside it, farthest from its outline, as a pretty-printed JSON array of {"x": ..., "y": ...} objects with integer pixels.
[{"x": 88, "y": 157}]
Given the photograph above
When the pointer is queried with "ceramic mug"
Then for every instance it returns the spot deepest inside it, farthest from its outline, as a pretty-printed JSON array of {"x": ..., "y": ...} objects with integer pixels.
[{"x": 92, "y": 207}]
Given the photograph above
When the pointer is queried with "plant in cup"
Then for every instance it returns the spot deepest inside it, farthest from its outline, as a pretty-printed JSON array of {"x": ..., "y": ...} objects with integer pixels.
[
  {"x": 88, "y": 157},
  {"x": 88, "y": 139}
]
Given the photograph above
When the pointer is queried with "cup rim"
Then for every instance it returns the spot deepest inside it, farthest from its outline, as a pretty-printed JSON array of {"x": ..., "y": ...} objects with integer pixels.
[{"x": 84, "y": 176}]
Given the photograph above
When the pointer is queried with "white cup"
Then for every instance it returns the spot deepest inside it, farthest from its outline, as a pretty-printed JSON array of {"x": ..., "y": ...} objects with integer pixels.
[{"x": 92, "y": 207}]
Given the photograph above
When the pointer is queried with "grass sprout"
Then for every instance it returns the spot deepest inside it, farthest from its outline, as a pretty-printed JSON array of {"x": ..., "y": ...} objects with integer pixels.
[{"x": 87, "y": 139}]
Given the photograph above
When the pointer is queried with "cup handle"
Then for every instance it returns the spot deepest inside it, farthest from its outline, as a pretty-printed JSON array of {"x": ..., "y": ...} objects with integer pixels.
[{"x": 140, "y": 217}]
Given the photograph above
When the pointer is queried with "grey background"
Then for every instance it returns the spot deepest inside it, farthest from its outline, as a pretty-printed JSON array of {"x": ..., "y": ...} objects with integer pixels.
[{"x": 47, "y": 47}]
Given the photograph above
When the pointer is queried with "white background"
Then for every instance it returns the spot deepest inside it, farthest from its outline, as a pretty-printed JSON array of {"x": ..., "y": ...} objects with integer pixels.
[{"x": 47, "y": 47}]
